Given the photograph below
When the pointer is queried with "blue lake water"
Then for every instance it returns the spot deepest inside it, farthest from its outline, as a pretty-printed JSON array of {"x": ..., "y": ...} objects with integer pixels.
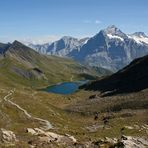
[{"x": 65, "y": 87}]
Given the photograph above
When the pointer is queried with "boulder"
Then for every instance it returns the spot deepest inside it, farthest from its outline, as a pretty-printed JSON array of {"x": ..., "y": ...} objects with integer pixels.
[
  {"x": 7, "y": 136},
  {"x": 31, "y": 131}
]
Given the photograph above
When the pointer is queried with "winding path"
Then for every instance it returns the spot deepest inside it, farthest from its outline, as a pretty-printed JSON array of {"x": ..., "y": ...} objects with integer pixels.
[{"x": 47, "y": 124}]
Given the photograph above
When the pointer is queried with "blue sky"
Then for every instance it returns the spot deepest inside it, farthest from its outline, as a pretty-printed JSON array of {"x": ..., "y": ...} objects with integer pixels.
[{"x": 42, "y": 19}]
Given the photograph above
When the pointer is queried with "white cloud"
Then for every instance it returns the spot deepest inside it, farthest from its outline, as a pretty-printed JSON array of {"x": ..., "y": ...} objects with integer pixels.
[
  {"x": 92, "y": 22},
  {"x": 40, "y": 40},
  {"x": 98, "y": 22},
  {"x": 33, "y": 40}
]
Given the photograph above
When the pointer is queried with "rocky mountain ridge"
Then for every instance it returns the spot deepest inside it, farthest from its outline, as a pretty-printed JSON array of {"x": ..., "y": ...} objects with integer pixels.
[{"x": 110, "y": 48}]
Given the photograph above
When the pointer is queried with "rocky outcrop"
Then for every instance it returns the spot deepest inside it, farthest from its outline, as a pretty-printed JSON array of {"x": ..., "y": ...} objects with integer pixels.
[
  {"x": 7, "y": 136},
  {"x": 134, "y": 142},
  {"x": 48, "y": 137},
  {"x": 124, "y": 142}
]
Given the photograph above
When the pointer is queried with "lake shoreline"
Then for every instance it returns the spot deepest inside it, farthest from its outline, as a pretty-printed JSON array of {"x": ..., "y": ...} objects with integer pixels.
[{"x": 65, "y": 88}]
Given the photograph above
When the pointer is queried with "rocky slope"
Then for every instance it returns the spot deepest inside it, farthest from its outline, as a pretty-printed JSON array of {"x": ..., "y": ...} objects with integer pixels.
[
  {"x": 66, "y": 46},
  {"x": 113, "y": 49},
  {"x": 110, "y": 48}
]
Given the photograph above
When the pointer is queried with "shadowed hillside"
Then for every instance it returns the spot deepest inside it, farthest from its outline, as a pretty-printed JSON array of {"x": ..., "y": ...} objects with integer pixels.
[{"x": 132, "y": 78}]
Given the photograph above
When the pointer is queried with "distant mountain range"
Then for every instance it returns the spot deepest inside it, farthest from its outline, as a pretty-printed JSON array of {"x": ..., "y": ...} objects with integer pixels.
[
  {"x": 66, "y": 46},
  {"x": 110, "y": 48}
]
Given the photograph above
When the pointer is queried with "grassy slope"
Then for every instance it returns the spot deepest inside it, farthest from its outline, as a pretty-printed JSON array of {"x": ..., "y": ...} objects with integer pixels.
[
  {"x": 54, "y": 69},
  {"x": 52, "y": 107}
]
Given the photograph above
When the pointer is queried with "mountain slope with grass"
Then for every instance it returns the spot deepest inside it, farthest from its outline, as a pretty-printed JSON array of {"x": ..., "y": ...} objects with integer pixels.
[{"x": 22, "y": 65}]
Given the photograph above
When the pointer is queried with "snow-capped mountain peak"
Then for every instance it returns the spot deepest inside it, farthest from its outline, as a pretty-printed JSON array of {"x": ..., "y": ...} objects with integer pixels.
[
  {"x": 139, "y": 34},
  {"x": 114, "y": 33},
  {"x": 112, "y": 29},
  {"x": 139, "y": 37}
]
